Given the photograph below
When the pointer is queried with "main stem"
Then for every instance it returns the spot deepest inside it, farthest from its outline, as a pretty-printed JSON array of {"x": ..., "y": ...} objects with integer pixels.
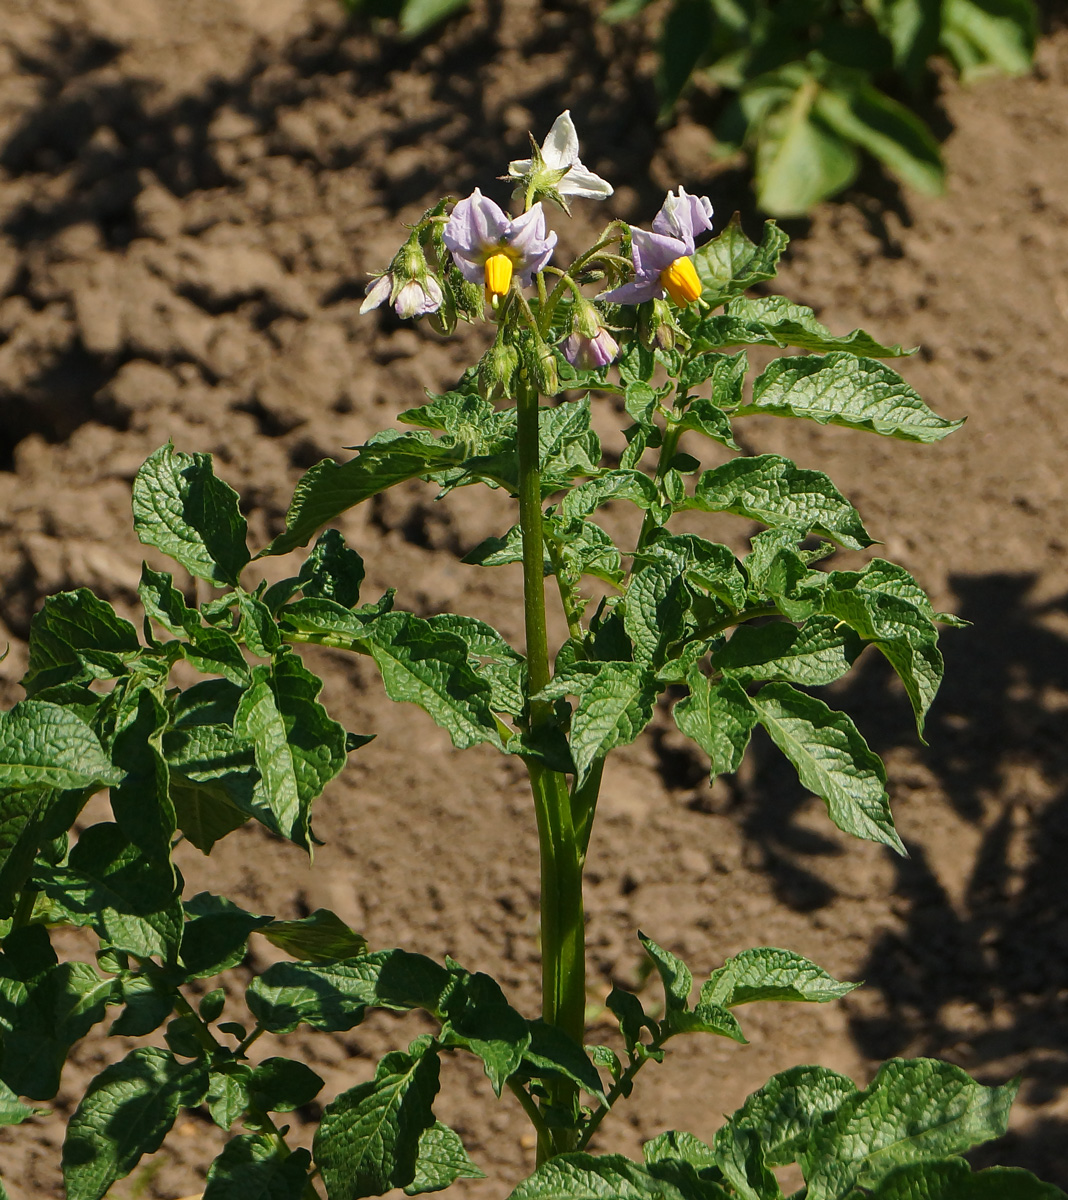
[{"x": 563, "y": 935}]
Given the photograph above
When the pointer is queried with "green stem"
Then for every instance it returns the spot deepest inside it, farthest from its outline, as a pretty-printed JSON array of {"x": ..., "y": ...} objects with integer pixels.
[
  {"x": 563, "y": 942},
  {"x": 239, "y": 1050},
  {"x": 670, "y": 444},
  {"x": 584, "y": 805},
  {"x": 200, "y": 1031},
  {"x": 24, "y": 908},
  {"x": 531, "y": 1109}
]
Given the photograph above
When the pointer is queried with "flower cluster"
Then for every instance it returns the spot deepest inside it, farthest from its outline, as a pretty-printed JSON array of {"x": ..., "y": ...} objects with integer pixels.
[{"x": 479, "y": 246}]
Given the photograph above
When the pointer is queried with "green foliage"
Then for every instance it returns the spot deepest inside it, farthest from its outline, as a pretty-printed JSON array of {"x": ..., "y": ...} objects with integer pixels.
[{"x": 664, "y": 618}]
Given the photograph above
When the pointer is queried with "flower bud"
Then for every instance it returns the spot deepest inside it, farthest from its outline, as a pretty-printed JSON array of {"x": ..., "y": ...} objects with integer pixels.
[
  {"x": 656, "y": 325},
  {"x": 497, "y": 368},
  {"x": 541, "y": 363},
  {"x": 591, "y": 353}
]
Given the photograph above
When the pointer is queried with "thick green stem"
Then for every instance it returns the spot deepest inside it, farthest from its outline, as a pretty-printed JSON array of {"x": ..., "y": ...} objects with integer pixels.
[{"x": 563, "y": 941}]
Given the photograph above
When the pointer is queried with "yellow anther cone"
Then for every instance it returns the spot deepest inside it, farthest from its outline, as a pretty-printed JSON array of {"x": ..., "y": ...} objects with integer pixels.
[
  {"x": 680, "y": 281},
  {"x": 498, "y": 275}
]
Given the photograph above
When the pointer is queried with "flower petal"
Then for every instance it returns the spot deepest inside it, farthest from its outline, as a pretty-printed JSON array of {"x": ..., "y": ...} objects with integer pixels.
[
  {"x": 683, "y": 217},
  {"x": 635, "y": 292},
  {"x": 535, "y": 246},
  {"x": 582, "y": 182},
  {"x": 519, "y": 167},
  {"x": 655, "y": 252},
  {"x": 377, "y": 293},
  {"x": 561, "y": 149},
  {"x": 475, "y": 224}
]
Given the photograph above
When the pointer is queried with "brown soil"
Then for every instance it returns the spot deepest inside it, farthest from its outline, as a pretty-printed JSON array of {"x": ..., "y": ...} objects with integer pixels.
[{"x": 191, "y": 197}]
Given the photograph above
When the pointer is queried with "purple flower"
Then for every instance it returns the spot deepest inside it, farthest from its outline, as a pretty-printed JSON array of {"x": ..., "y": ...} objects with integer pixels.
[
  {"x": 489, "y": 247},
  {"x": 662, "y": 260},
  {"x": 591, "y": 353}
]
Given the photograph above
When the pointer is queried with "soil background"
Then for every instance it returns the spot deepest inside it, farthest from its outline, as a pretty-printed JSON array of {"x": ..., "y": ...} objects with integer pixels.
[{"x": 191, "y": 199}]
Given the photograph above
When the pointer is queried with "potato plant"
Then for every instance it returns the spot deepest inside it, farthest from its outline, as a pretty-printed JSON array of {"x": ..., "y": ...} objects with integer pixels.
[{"x": 660, "y": 320}]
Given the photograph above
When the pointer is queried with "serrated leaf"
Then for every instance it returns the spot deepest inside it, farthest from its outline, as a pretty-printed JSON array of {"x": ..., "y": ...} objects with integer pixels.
[
  {"x": 842, "y": 389},
  {"x": 125, "y": 1113},
  {"x": 674, "y": 974},
  {"x": 329, "y": 488},
  {"x": 790, "y": 324},
  {"x": 709, "y": 566},
  {"x": 213, "y": 776},
  {"x": 111, "y": 884},
  {"x": 775, "y": 491},
  {"x": 819, "y": 652},
  {"x": 23, "y": 817},
  {"x": 45, "y": 1007},
  {"x": 718, "y": 717},
  {"x": 44, "y": 745},
  {"x": 913, "y": 1109},
  {"x": 442, "y": 1160},
  {"x": 216, "y": 935},
  {"x": 832, "y": 760},
  {"x": 731, "y": 263},
  {"x": 620, "y": 484},
  {"x": 332, "y": 571},
  {"x": 251, "y": 1167},
  {"x": 368, "y": 1139},
  {"x": 584, "y": 548},
  {"x": 953, "y": 1180},
  {"x": 767, "y": 973},
  {"x": 320, "y": 937},
  {"x": 181, "y": 508},
  {"x": 786, "y": 1110},
  {"x": 681, "y": 1146},
  {"x": 298, "y": 748},
  {"x": 76, "y": 634},
  {"x": 334, "y": 996},
  {"x": 704, "y": 416},
  {"x": 479, "y": 1018}
]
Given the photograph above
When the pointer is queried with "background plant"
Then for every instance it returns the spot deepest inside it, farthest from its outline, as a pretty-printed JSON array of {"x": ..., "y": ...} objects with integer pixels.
[
  {"x": 807, "y": 88},
  {"x": 251, "y": 741}
]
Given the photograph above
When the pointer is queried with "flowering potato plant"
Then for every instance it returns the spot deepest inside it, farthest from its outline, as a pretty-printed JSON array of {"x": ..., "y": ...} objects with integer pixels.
[{"x": 659, "y": 319}]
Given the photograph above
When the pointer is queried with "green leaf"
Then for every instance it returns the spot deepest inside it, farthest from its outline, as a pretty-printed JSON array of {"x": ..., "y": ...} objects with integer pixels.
[
  {"x": 685, "y": 35},
  {"x": 627, "y": 1009},
  {"x": 767, "y": 973},
  {"x": 329, "y": 489},
  {"x": 786, "y": 1110},
  {"x": 332, "y": 571},
  {"x": 709, "y": 566},
  {"x": 718, "y": 717},
  {"x": 442, "y": 1160},
  {"x": 615, "y": 704},
  {"x": 654, "y": 611},
  {"x": 775, "y": 491},
  {"x": 832, "y": 760},
  {"x": 125, "y": 1113},
  {"x": 44, "y": 745},
  {"x": 953, "y": 1180},
  {"x": 552, "y": 1054},
  {"x": 74, "y": 635},
  {"x": 181, "y": 508},
  {"x": 147, "y": 1005},
  {"x": 895, "y": 135},
  {"x": 674, "y": 974},
  {"x": 298, "y": 748},
  {"x": 12, "y": 1110},
  {"x": 841, "y": 389},
  {"x": 282, "y": 1085},
  {"x": 799, "y": 159},
  {"x": 45, "y": 1007},
  {"x": 480, "y": 1019},
  {"x": 913, "y": 1109},
  {"x": 320, "y": 937},
  {"x": 128, "y": 899},
  {"x": 588, "y": 1177},
  {"x": 417, "y": 16},
  {"x": 704, "y": 416},
  {"x": 213, "y": 777},
  {"x": 251, "y": 1167},
  {"x": 227, "y": 1097},
  {"x": 790, "y": 324},
  {"x": 620, "y": 484},
  {"x": 731, "y": 263},
  {"x": 819, "y": 652},
  {"x": 985, "y": 37},
  {"x": 334, "y": 996},
  {"x": 740, "y": 1157},
  {"x": 141, "y": 802},
  {"x": 24, "y": 829},
  {"x": 368, "y": 1140},
  {"x": 492, "y": 658},
  {"x": 431, "y": 668},
  {"x": 215, "y": 937},
  {"x": 683, "y": 1147}
]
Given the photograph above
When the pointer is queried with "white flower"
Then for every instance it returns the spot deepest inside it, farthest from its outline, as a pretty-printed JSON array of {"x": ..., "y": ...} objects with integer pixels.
[{"x": 560, "y": 154}]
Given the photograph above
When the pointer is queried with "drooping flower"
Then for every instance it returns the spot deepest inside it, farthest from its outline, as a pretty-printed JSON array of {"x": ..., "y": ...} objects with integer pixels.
[
  {"x": 554, "y": 169},
  {"x": 408, "y": 284},
  {"x": 489, "y": 247},
  {"x": 589, "y": 346},
  {"x": 662, "y": 258}
]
